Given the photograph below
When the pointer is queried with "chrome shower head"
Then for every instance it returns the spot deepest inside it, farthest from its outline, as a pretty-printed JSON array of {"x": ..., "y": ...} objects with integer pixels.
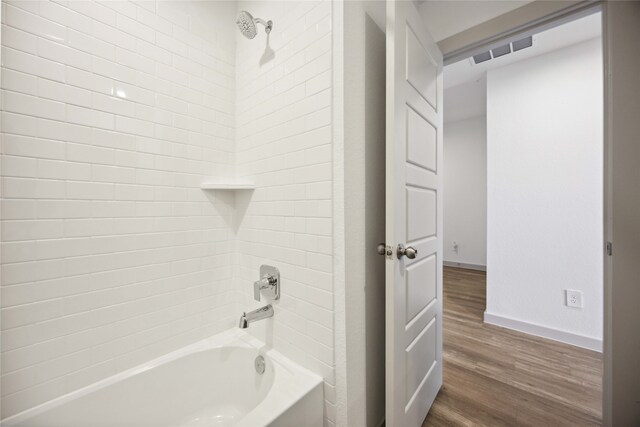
[{"x": 247, "y": 24}]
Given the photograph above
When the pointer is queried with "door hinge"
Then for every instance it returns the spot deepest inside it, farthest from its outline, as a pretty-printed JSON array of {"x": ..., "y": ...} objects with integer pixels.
[{"x": 609, "y": 248}]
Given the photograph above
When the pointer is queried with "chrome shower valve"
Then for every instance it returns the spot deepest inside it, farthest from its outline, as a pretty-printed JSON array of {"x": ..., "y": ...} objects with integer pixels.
[{"x": 269, "y": 283}]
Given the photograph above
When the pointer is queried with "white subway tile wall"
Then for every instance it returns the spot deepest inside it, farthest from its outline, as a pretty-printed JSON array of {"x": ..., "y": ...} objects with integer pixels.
[
  {"x": 113, "y": 113},
  {"x": 284, "y": 139}
]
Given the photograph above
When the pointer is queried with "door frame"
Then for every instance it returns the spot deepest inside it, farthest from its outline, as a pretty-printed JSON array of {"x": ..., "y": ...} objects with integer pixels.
[
  {"x": 537, "y": 13},
  {"x": 483, "y": 36},
  {"x": 532, "y": 27}
]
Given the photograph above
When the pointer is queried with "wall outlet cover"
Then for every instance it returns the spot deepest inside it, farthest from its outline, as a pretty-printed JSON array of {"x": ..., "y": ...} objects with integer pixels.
[{"x": 574, "y": 298}]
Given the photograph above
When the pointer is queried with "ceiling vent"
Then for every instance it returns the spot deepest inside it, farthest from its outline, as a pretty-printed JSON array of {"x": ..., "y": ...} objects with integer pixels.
[
  {"x": 481, "y": 57},
  {"x": 503, "y": 50},
  {"x": 522, "y": 44}
]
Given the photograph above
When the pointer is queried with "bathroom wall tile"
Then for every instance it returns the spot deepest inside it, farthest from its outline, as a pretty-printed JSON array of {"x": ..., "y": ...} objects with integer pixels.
[
  {"x": 29, "y": 6},
  {"x": 29, "y": 105},
  {"x": 106, "y": 236},
  {"x": 63, "y": 54},
  {"x": 92, "y": 10},
  {"x": 64, "y": 16},
  {"x": 32, "y": 147},
  {"x": 19, "y": 167},
  {"x": 109, "y": 34},
  {"x": 123, "y": 7},
  {"x": 34, "y": 24},
  {"x": 283, "y": 137},
  {"x": 19, "y": 82},
  {"x": 18, "y": 209},
  {"x": 150, "y": 18},
  {"x": 89, "y": 117},
  {"x": 136, "y": 28},
  {"x": 56, "y": 91},
  {"x": 18, "y": 39},
  {"x": 20, "y": 61},
  {"x": 85, "y": 43},
  {"x": 113, "y": 113}
]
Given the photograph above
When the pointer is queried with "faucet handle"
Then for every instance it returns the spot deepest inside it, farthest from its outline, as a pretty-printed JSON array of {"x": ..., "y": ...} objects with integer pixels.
[
  {"x": 256, "y": 290},
  {"x": 268, "y": 282}
]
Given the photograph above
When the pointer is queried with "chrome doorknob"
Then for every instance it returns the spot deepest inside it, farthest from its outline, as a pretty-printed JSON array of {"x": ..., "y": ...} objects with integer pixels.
[{"x": 410, "y": 252}]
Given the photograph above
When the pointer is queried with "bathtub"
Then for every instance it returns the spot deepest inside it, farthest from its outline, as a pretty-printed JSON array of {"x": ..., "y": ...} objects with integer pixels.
[{"x": 211, "y": 383}]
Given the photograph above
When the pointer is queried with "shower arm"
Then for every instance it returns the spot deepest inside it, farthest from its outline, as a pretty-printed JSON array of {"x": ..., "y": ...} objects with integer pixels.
[{"x": 267, "y": 24}]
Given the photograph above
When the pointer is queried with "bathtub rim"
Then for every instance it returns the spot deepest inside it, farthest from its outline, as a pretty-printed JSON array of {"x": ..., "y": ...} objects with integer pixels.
[{"x": 291, "y": 382}]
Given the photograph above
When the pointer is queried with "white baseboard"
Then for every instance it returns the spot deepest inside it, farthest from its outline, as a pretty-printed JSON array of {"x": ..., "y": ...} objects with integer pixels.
[
  {"x": 464, "y": 265},
  {"x": 544, "y": 332}
]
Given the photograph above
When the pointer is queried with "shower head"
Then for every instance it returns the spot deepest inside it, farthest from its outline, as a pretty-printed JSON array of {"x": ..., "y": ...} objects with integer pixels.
[{"x": 247, "y": 24}]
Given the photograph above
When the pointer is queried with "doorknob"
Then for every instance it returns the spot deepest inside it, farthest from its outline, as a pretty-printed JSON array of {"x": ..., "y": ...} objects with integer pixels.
[
  {"x": 382, "y": 249},
  {"x": 410, "y": 252}
]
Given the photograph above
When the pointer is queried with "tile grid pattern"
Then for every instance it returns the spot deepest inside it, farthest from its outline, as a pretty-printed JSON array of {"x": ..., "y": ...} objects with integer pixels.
[
  {"x": 112, "y": 114},
  {"x": 284, "y": 141}
]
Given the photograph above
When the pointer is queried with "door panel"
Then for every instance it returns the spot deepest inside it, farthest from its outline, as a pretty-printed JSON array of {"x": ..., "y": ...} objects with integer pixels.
[
  {"x": 419, "y": 295},
  {"x": 421, "y": 356},
  {"x": 420, "y": 200},
  {"x": 420, "y": 177},
  {"x": 422, "y": 70},
  {"x": 421, "y": 141},
  {"x": 413, "y": 217}
]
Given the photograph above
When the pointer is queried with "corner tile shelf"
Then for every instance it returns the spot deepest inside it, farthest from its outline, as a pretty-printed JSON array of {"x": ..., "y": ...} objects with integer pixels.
[{"x": 226, "y": 186}]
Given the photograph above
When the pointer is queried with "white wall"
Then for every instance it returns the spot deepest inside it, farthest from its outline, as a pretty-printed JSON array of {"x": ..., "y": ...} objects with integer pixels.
[
  {"x": 464, "y": 100},
  {"x": 465, "y": 183},
  {"x": 113, "y": 114},
  {"x": 364, "y": 197},
  {"x": 545, "y": 177},
  {"x": 284, "y": 139}
]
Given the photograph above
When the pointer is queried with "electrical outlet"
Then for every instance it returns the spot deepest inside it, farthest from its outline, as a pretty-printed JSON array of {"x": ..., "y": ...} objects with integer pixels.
[
  {"x": 455, "y": 247},
  {"x": 574, "y": 298}
]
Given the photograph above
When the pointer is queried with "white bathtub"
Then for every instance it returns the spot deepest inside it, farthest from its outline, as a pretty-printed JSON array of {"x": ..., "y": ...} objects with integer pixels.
[{"x": 210, "y": 383}]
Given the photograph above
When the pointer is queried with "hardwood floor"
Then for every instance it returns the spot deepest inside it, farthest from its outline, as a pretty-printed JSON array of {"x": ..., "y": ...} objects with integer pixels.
[{"x": 499, "y": 377}]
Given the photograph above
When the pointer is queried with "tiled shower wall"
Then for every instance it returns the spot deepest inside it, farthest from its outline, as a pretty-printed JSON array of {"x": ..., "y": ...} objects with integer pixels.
[
  {"x": 112, "y": 115},
  {"x": 283, "y": 139}
]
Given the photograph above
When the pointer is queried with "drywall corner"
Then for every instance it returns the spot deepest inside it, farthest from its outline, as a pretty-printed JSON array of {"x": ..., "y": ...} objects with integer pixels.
[
  {"x": 339, "y": 311},
  {"x": 359, "y": 69}
]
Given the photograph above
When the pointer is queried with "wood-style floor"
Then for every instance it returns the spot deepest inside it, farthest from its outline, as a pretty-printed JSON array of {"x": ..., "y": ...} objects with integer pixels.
[{"x": 499, "y": 377}]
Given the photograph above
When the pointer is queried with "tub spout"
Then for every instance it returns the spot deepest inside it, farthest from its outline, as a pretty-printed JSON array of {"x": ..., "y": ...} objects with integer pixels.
[
  {"x": 262, "y": 313},
  {"x": 243, "y": 322}
]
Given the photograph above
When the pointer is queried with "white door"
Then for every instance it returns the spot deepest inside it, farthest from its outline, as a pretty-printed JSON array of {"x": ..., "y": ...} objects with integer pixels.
[{"x": 413, "y": 217}]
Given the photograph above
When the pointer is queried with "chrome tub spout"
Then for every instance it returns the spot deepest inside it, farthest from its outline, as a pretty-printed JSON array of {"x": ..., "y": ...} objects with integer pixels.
[{"x": 261, "y": 313}]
